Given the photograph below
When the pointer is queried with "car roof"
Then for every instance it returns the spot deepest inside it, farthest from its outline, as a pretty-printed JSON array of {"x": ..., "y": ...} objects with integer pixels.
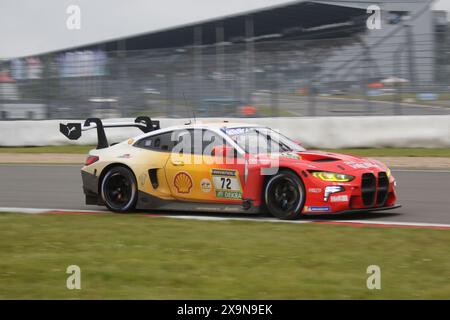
[
  {"x": 220, "y": 125},
  {"x": 214, "y": 125}
]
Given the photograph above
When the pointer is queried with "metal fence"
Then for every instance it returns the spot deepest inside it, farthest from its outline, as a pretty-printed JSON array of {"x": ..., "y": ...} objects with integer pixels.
[{"x": 327, "y": 77}]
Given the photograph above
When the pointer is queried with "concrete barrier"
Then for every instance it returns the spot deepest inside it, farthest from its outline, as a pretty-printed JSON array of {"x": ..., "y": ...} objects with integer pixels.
[{"x": 321, "y": 132}]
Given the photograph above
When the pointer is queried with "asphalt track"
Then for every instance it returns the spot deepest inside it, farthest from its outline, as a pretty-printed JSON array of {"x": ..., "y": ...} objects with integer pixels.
[{"x": 424, "y": 194}]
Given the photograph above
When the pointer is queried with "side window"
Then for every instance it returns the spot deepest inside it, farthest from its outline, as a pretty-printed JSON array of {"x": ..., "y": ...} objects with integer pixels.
[
  {"x": 210, "y": 140},
  {"x": 160, "y": 142},
  {"x": 188, "y": 141},
  {"x": 182, "y": 141},
  {"x": 196, "y": 141}
]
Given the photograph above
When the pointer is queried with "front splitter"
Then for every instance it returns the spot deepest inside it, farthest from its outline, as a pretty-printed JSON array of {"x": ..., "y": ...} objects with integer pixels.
[{"x": 361, "y": 210}]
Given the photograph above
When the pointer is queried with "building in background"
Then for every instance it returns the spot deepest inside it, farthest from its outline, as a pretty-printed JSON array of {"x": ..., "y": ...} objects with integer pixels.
[{"x": 306, "y": 49}]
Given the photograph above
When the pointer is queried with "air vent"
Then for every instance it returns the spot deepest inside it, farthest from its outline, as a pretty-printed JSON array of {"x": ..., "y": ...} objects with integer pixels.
[
  {"x": 152, "y": 173},
  {"x": 325, "y": 160},
  {"x": 383, "y": 188},
  {"x": 368, "y": 189}
]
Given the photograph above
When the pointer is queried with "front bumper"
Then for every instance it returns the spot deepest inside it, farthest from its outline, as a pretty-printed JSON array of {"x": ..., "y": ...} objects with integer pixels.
[{"x": 354, "y": 196}]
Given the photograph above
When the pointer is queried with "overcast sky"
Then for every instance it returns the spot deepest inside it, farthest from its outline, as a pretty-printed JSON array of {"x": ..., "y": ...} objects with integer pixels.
[
  {"x": 442, "y": 5},
  {"x": 35, "y": 26}
]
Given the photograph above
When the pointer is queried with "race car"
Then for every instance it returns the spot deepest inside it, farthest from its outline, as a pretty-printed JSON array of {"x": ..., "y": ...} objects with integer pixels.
[{"x": 226, "y": 167}]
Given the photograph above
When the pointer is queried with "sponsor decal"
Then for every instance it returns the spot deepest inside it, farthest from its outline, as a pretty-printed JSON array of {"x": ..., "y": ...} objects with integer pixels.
[
  {"x": 361, "y": 165},
  {"x": 125, "y": 156},
  {"x": 286, "y": 155},
  {"x": 223, "y": 172},
  {"x": 342, "y": 184},
  {"x": 130, "y": 141},
  {"x": 205, "y": 185},
  {"x": 339, "y": 198},
  {"x": 71, "y": 130},
  {"x": 314, "y": 190},
  {"x": 183, "y": 182},
  {"x": 317, "y": 209},
  {"x": 291, "y": 155},
  {"x": 235, "y": 131},
  {"x": 226, "y": 183}
]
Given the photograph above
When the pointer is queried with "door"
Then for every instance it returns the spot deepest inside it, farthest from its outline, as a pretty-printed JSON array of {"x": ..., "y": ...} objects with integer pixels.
[
  {"x": 194, "y": 173},
  {"x": 150, "y": 162}
]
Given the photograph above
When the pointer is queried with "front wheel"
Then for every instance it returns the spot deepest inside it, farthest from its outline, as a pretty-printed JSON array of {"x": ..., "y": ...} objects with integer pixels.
[
  {"x": 119, "y": 189},
  {"x": 284, "y": 195}
]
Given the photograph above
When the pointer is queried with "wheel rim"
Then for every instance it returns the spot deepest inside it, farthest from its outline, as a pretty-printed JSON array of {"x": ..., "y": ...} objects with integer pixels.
[
  {"x": 284, "y": 195},
  {"x": 118, "y": 190}
]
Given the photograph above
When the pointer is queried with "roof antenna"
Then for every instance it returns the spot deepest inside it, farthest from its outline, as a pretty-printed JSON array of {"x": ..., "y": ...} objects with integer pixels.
[{"x": 187, "y": 109}]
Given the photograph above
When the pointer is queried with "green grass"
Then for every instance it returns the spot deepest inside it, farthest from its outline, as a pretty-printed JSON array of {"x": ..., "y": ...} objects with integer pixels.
[
  {"x": 70, "y": 149},
  {"x": 396, "y": 152},
  {"x": 136, "y": 256},
  {"x": 370, "y": 152}
]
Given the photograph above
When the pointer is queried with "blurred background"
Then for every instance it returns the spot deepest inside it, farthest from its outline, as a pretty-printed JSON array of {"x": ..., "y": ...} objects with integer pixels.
[{"x": 291, "y": 59}]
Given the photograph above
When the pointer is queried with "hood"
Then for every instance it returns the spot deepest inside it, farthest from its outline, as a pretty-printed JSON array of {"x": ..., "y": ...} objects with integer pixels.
[
  {"x": 329, "y": 161},
  {"x": 339, "y": 162}
]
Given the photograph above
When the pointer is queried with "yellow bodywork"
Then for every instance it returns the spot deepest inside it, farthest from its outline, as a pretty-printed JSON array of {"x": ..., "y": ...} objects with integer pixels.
[{"x": 194, "y": 178}]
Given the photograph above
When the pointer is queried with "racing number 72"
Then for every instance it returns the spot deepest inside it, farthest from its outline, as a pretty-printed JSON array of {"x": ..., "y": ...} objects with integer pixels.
[{"x": 226, "y": 183}]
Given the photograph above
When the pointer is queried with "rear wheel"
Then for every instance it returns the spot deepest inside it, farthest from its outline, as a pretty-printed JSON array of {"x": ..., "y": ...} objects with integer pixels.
[
  {"x": 284, "y": 195},
  {"x": 119, "y": 190}
]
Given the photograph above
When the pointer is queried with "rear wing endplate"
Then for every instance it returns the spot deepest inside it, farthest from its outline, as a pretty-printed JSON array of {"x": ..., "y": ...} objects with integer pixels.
[{"x": 73, "y": 130}]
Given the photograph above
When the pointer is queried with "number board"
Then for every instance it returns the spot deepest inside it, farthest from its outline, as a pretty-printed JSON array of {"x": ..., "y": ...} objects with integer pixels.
[{"x": 227, "y": 183}]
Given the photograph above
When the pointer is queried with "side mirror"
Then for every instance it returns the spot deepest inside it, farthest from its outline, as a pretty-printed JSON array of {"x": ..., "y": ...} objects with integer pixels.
[{"x": 223, "y": 151}]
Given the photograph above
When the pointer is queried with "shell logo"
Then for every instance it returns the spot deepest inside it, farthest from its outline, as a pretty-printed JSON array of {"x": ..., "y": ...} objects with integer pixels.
[{"x": 183, "y": 182}]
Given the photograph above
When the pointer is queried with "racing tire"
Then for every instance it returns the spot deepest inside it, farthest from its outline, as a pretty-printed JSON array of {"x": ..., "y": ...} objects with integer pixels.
[
  {"x": 284, "y": 195},
  {"x": 119, "y": 190}
]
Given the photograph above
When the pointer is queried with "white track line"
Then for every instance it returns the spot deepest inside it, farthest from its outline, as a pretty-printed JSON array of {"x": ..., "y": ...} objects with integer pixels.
[
  {"x": 209, "y": 218},
  {"x": 25, "y": 210},
  {"x": 375, "y": 223},
  {"x": 393, "y": 223},
  {"x": 421, "y": 170},
  {"x": 212, "y": 218},
  {"x": 43, "y": 210}
]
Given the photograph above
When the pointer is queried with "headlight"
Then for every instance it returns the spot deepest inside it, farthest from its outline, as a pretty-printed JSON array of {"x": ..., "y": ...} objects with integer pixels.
[{"x": 332, "y": 176}]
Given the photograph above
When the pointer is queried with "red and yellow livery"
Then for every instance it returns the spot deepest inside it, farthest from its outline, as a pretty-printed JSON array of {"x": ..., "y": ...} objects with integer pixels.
[{"x": 228, "y": 167}]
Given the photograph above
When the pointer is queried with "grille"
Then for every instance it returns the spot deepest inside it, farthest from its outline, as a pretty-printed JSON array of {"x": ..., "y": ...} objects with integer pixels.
[
  {"x": 383, "y": 186},
  {"x": 368, "y": 188}
]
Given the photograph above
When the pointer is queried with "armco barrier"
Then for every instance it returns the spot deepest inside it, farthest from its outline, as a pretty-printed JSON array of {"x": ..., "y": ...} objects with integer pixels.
[{"x": 326, "y": 132}]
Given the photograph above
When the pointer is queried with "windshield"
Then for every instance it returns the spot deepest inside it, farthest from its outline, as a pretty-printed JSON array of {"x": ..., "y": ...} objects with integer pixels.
[{"x": 256, "y": 140}]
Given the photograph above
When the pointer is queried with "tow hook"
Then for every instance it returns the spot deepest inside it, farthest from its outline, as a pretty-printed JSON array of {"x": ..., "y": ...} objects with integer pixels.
[{"x": 247, "y": 204}]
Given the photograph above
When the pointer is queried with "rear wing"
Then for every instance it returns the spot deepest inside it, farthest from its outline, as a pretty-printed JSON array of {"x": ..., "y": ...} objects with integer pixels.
[{"x": 73, "y": 130}]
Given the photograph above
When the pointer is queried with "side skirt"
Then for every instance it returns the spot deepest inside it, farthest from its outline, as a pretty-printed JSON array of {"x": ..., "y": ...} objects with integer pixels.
[{"x": 149, "y": 202}]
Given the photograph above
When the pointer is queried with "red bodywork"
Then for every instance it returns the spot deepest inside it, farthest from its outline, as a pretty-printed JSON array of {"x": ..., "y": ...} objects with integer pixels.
[{"x": 377, "y": 191}]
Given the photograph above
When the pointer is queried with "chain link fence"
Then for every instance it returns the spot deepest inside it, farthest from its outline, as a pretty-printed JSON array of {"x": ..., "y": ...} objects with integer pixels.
[{"x": 307, "y": 78}]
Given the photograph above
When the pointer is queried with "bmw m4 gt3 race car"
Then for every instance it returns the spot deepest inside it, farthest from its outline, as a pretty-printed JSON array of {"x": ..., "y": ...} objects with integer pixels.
[{"x": 227, "y": 167}]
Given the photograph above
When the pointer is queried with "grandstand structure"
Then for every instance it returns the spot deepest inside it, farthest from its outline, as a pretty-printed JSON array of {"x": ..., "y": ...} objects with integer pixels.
[{"x": 253, "y": 56}]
